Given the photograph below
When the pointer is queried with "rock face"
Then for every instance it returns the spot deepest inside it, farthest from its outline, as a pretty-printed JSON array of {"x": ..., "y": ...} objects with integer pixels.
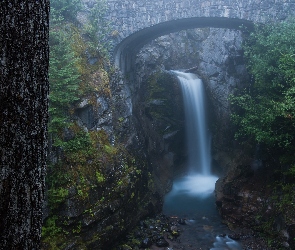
[
  {"x": 217, "y": 57},
  {"x": 93, "y": 201},
  {"x": 245, "y": 197},
  {"x": 250, "y": 203},
  {"x": 140, "y": 123},
  {"x": 144, "y": 116}
]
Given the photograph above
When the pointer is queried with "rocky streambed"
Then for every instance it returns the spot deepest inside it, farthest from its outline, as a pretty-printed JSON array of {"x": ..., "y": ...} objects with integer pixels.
[
  {"x": 173, "y": 233},
  {"x": 191, "y": 222}
]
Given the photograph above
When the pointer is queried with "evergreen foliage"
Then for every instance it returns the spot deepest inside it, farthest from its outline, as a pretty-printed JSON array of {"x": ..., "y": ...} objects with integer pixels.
[
  {"x": 83, "y": 157},
  {"x": 98, "y": 28},
  {"x": 70, "y": 73},
  {"x": 265, "y": 110},
  {"x": 64, "y": 9},
  {"x": 265, "y": 114},
  {"x": 64, "y": 80}
]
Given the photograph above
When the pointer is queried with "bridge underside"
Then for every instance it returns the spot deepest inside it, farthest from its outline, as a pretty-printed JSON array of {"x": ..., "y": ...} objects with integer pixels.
[{"x": 126, "y": 50}]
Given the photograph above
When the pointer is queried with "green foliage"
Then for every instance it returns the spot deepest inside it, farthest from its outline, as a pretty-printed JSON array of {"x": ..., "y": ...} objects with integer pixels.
[
  {"x": 77, "y": 230},
  {"x": 99, "y": 177},
  {"x": 265, "y": 111},
  {"x": 64, "y": 9},
  {"x": 64, "y": 80},
  {"x": 80, "y": 142},
  {"x": 69, "y": 69},
  {"x": 50, "y": 228},
  {"x": 109, "y": 149},
  {"x": 58, "y": 195},
  {"x": 85, "y": 160},
  {"x": 53, "y": 235},
  {"x": 70, "y": 48},
  {"x": 98, "y": 29}
]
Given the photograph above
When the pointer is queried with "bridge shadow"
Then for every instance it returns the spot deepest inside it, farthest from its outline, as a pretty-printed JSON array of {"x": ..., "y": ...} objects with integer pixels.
[{"x": 125, "y": 52}]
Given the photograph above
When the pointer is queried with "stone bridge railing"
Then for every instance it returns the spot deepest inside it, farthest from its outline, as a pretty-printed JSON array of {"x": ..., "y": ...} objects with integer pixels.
[
  {"x": 135, "y": 22},
  {"x": 129, "y": 16}
]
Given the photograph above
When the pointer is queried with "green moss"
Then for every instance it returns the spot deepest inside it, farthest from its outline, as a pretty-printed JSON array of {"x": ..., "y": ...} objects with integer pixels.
[
  {"x": 53, "y": 235},
  {"x": 87, "y": 162},
  {"x": 56, "y": 196},
  {"x": 50, "y": 228},
  {"x": 99, "y": 177},
  {"x": 77, "y": 230}
]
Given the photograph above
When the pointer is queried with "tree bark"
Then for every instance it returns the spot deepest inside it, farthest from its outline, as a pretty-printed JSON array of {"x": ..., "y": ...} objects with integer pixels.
[{"x": 24, "y": 58}]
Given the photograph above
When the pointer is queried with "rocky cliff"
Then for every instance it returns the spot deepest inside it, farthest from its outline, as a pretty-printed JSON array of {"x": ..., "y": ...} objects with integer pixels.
[
  {"x": 135, "y": 129},
  {"x": 217, "y": 58}
]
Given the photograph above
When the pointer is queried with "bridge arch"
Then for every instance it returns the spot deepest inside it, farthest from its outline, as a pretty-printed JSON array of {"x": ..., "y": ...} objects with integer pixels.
[
  {"x": 134, "y": 23},
  {"x": 126, "y": 50}
]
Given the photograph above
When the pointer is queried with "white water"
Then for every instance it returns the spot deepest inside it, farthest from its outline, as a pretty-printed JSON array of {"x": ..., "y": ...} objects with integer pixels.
[
  {"x": 199, "y": 181},
  {"x": 198, "y": 140},
  {"x": 224, "y": 243}
]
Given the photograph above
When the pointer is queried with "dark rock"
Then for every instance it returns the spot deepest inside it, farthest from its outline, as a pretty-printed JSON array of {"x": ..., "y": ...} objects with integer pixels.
[
  {"x": 173, "y": 228},
  {"x": 162, "y": 243},
  {"x": 291, "y": 231},
  {"x": 146, "y": 243},
  {"x": 86, "y": 114},
  {"x": 182, "y": 222},
  {"x": 234, "y": 236}
]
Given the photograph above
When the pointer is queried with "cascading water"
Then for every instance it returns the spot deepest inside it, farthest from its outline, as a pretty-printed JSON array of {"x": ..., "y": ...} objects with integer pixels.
[
  {"x": 192, "y": 195},
  {"x": 199, "y": 180},
  {"x": 198, "y": 142}
]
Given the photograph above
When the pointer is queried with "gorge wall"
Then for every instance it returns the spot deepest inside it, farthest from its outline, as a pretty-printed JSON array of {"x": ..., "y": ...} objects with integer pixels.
[
  {"x": 245, "y": 196},
  {"x": 139, "y": 119},
  {"x": 140, "y": 123},
  {"x": 217, "y": 57}
]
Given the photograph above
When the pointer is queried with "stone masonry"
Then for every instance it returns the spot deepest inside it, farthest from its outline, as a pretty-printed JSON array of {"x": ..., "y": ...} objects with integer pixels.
[{"x": 134, "y": 23}]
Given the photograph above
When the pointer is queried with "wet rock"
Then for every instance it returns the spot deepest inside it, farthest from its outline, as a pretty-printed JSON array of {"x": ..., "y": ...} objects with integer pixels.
[
  {"x": 234, "y": 236},
  {"x": 162, "y": 243},
  {"x": 285, "y": 235},
  {"x": 291, "y": 231},
  {"x": 146, "y": 243},
  {"x": 182, "y": 222},
  {"x": 174, "y": 231},
  {"x": 154, "y": 232},
  {"x": 286, "y": 244},
  {"x": 70, "y": 246}
]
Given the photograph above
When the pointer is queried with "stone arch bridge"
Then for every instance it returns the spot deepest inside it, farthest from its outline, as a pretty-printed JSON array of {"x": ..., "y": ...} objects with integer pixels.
[{"x": 136, "y": 22}]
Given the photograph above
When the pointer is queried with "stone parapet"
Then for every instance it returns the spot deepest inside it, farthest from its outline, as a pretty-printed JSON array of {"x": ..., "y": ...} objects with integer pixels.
[{"x": 128, "y": 16}]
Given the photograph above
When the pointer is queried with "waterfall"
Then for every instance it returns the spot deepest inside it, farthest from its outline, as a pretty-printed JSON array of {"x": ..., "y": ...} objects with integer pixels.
[
  {"x": 198, "y": 139},
  {"x": 199, "y": 181},
  {"x": 192, "y": 194}
]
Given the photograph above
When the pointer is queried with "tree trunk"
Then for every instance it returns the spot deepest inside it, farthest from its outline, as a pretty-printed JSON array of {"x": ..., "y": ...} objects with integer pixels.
[{"x": 24, "y": 61}]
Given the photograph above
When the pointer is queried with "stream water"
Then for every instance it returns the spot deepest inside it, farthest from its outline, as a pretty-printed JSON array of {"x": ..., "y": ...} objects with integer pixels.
[{"x": 192, "y": 195}]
